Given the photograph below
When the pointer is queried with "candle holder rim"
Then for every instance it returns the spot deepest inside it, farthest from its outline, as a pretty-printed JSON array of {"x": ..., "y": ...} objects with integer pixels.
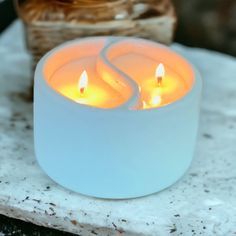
[{"x": 196, "y": 86}]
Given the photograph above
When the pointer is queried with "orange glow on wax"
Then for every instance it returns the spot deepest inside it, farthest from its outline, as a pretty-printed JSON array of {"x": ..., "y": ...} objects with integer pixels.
[
  {"x": 87, "y": 78},
  {"x": 159, "y": 82},
  {"x": 92, "y": 95},
  {"x": 161, "y": 88},
  {"x": 88, "y": 92},
  {"x": 79, "y": 80}
]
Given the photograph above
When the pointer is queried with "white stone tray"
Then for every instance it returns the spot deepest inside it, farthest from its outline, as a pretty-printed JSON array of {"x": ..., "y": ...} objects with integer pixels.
[{"x": 203, "y": 202}]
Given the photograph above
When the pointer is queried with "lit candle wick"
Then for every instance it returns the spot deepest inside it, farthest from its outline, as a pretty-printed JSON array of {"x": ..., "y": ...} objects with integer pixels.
[
  {"x": 82, "y": 90},
  {"x": 159, "y": 81},
  {"x": 160, "y": 73},
  {"x": 83, "y": 82}
]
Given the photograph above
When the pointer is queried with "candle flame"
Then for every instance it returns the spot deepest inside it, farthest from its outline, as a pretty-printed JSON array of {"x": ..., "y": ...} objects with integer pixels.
[
  {"x": 156, "y": 100},
  {"x": 144, "y": 105},
  {"x": 160, "y": 73},
  {"x": 83, "y": 82}
]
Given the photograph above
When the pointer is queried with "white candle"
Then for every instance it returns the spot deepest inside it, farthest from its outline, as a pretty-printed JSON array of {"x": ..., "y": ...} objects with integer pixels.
[{"x": 126, "y": 124}]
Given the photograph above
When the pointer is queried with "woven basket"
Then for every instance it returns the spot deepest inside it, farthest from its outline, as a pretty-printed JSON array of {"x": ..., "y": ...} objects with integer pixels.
[{"x": 49, "y": 23}]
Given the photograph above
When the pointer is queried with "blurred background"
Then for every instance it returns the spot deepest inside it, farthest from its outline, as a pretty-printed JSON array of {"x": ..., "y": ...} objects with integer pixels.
[
  {"x": 207, "y": 23},
  {"x": 201, "y": 23}
]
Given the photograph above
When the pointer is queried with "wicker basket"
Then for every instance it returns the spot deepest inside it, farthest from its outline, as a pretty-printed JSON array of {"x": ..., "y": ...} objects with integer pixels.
[{"x": 49, "y": 23}]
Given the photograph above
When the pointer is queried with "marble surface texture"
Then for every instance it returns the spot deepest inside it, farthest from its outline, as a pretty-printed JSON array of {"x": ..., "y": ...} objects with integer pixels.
[{"x": 203, "y": 202}]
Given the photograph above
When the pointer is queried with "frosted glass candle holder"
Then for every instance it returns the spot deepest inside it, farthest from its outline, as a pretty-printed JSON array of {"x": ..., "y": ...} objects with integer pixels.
[{"x": 121, "y": 150}]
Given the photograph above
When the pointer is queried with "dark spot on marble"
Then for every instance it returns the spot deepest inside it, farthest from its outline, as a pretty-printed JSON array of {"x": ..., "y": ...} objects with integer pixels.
[
  {"x": 173, "y": 230},
  {"x": 51, "y": 209},
  {"x": 27, "y": 198},
  {"x": 93, "y": 232},
  {"x": 208, "y": 136},
  {"x": 114, "y": 224},
  {"x": 193, "y": 174},
  {"x": 209, "y": 208},
  {"x": 74, "y": 222},
  {"x": 26, "y": 97},
  {"x": 120, "y": 230},
  {"x": 177, "y": 215},
  {"x": 204, "y": 227},
  {"x": 206, "y": 191},
  {"x": 52, "y": 204},
  {"x": 123, "y": 220},
  {"x": 28, "y": 127},
  {"x": 36, "y": 200},
  {"x": 108, "y": 215}
]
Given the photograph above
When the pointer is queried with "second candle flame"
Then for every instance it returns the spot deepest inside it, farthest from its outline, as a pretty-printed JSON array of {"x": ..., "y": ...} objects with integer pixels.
[
  {"x": 160, "y": 73},
  {"x": 83, "y": 82}
]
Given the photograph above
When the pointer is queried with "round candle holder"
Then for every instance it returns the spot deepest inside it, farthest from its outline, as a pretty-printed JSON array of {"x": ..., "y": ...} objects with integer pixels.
[{"x": 121, "y": 152}]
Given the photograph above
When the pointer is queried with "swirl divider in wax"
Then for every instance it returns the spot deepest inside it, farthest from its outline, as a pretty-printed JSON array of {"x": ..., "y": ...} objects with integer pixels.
[{"x": 115, "y": 77}]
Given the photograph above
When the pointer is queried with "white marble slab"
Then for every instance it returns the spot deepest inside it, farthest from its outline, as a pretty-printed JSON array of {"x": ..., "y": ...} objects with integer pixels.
[{"x": 203, "y": 202}]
